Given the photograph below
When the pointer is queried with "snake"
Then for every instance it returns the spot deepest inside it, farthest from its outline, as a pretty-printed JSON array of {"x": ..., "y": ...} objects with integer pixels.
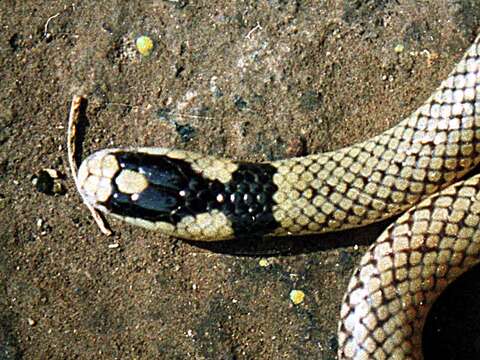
[{"x": 413, "y": 169}]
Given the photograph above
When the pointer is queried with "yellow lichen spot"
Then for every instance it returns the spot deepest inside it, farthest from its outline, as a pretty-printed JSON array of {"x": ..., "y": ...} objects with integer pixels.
[
  {"x": 144, "y": 45},
  {"x": 263, "y": 262},
  {"x": 297, "y": 296},
  {"x": 399, "y": 48}
]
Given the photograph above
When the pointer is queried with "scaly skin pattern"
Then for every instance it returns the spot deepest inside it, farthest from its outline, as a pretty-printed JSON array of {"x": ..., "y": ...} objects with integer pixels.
[
  {"x": 404, "y": 272},
  {"x": 191, "y": 196},
  {"x": 389, "y": 173}
]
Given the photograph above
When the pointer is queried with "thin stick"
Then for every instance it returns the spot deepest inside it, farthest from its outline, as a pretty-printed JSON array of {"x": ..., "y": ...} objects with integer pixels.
[
  {"x": 45, "y": 31},
  {"x": 73, "y": 120},
  {"x": 257, "y": 27}
]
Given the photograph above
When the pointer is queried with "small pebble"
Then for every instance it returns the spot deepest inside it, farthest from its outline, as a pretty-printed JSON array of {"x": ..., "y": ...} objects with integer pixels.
[
  {"x": 48, "y": 181},
  {"x": 54, "y": 174},
  {"x": 297, "y": 296},
  {"x": 31, "y": 322},
  {"x": 113, "y": 246},
  {"x": 144, "y": 45},
  {"x": 44, "y": 182}
]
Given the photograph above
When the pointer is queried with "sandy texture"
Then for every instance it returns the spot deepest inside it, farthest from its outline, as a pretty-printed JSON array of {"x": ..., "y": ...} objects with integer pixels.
[{"x": 253, "y": 80}]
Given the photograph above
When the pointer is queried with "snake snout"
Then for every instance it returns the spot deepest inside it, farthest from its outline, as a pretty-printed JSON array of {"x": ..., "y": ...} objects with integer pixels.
[{"x": 94, "y": 179}]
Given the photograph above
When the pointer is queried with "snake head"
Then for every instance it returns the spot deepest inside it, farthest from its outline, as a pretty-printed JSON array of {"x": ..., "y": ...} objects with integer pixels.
[
  {"x": 180, "y": 193},
  {"x": 131, "y": 183}
]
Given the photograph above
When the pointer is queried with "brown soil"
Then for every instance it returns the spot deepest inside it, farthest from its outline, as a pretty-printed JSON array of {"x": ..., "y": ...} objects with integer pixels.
[{"x": 253, "y": 80}]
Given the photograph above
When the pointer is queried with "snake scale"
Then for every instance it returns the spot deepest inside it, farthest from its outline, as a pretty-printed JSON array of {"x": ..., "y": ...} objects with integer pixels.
[{"x": 410, "y": 167}]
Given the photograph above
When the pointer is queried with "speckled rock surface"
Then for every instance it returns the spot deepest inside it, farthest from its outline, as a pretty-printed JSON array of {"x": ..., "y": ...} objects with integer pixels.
[{"x": 251, "y": 80}]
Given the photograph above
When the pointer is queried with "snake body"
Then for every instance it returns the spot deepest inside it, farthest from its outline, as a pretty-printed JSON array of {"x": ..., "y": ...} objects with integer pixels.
[{"x": 197, "y": 197}]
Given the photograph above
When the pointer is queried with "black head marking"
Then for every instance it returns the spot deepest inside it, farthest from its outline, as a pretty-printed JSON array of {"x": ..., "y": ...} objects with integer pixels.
[{"x": 175, "y": 190}]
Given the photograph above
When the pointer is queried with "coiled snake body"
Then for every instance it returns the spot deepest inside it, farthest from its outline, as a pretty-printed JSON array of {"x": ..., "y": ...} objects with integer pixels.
[{"x": 195, "y": 197}]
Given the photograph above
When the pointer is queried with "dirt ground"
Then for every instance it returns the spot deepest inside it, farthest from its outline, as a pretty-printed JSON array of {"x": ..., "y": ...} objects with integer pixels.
[{"x": 252, "y": 80}]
